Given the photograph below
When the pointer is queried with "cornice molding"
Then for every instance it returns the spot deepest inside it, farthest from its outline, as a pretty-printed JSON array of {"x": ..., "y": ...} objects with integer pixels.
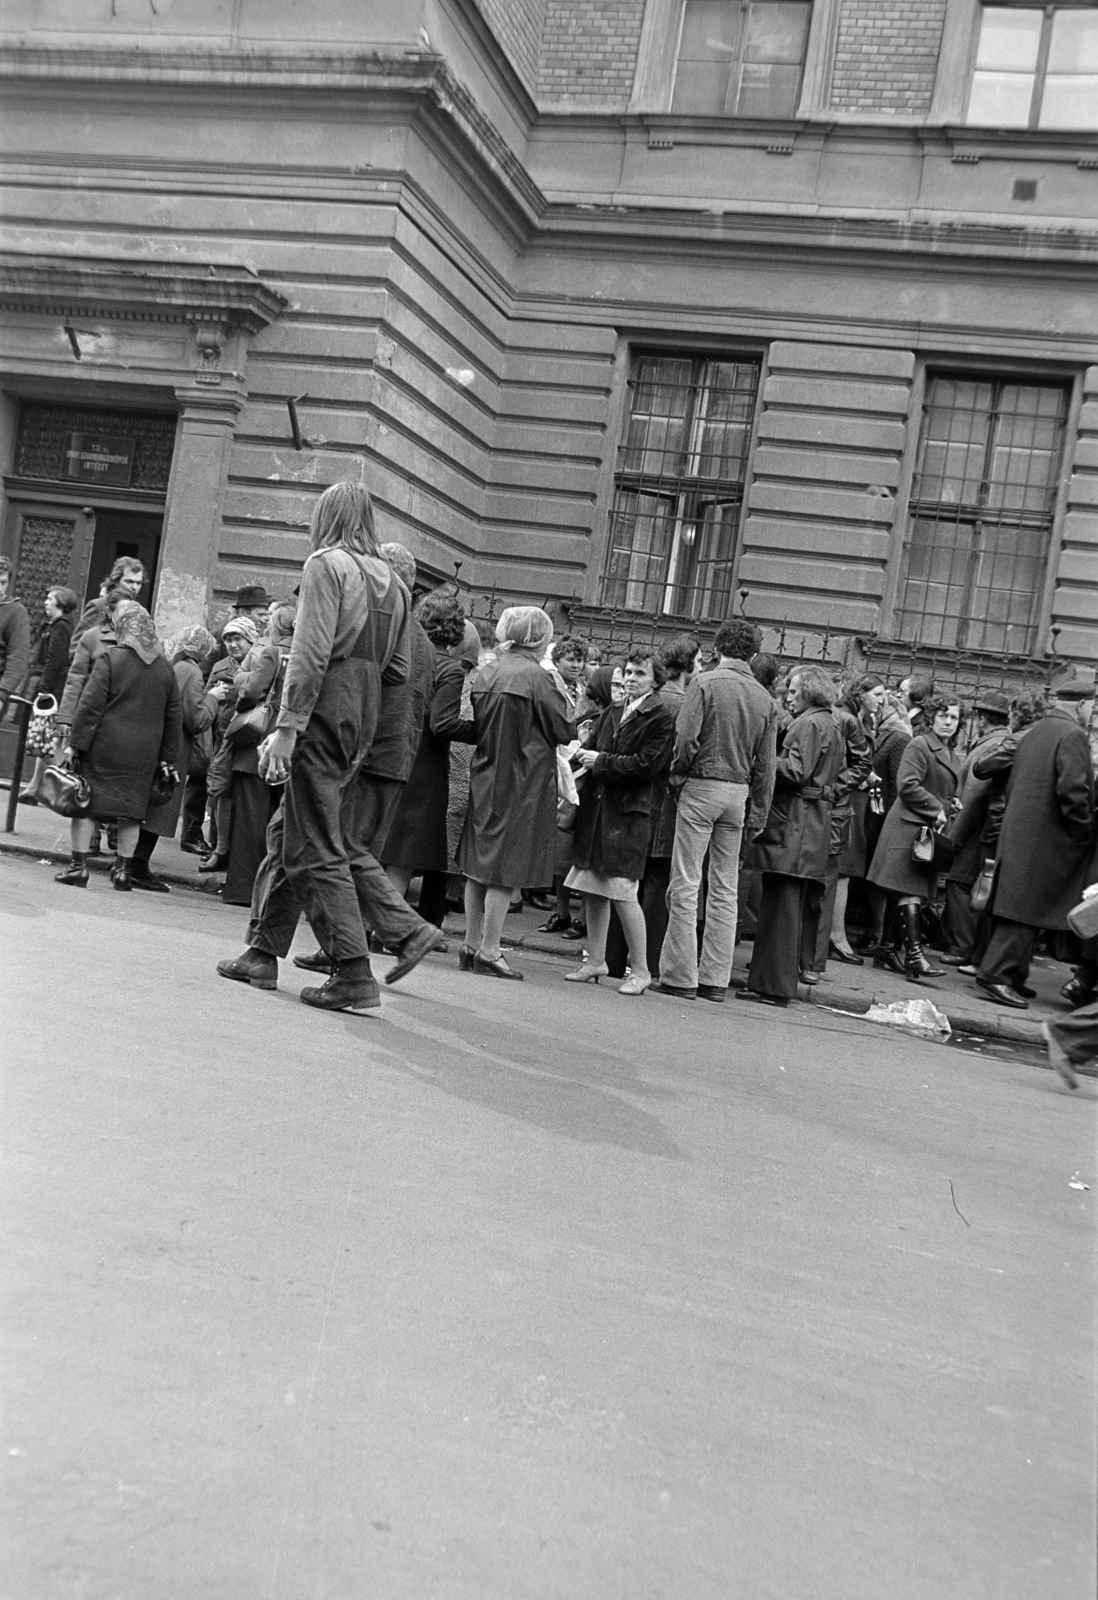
[
  {"x": 137, "y": 291},
  {"x": 373, "y": 77},
  {"x": 686, "y": 233}
]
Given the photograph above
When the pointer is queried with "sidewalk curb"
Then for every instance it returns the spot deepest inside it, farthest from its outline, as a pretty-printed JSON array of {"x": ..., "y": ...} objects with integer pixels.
[
  {"x": 1014, "y": 1029},
  {"x": 102, "y": 865}
]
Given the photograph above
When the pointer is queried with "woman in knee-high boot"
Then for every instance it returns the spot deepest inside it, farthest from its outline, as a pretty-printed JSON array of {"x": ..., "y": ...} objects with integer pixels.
[{"x": 926, "y": 788}]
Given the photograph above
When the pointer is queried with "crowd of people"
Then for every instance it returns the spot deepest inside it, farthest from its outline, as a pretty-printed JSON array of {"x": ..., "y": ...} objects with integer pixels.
[{"x": 323, "y": 752}]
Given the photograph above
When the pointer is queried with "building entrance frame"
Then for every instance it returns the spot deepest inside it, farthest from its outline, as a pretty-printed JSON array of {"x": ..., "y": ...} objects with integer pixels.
[{"x": 134, "y": 335}]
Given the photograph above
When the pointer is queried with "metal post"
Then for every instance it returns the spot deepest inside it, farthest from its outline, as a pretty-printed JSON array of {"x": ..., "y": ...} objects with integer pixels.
[{"x": 20, "y": 754}]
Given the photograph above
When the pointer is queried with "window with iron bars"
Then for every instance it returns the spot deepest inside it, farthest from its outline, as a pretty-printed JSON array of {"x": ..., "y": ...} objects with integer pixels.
[
  {"x": 678, "y": 492},
  {"x": 980, "y": 518}
]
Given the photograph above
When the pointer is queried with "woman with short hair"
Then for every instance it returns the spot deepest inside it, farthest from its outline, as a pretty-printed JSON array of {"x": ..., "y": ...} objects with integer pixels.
[
  {"x": 519, "y": 718},
  {"x": 792, "y": 850},
  {"x": 926, "y": 785},
  {"x": 127, "y": 724},
  {"x": 625, "y": 756},
  {"x": 49, "y": 666}
]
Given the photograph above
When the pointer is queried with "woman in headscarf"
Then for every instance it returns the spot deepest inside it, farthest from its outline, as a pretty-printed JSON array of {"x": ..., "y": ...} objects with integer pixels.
[
  {"x": 127, "y": 723},
  {"x": 416, "y": 840},
  {"x": 258, "y": 681},
  {"x": 239, "y": 635},
  {"x": 188, "y": 651},
  {"x": 519, "y": 718}
]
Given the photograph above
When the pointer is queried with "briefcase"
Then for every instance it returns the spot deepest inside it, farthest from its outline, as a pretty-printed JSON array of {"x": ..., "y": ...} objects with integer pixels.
[{"x": 1083, "y": 918}]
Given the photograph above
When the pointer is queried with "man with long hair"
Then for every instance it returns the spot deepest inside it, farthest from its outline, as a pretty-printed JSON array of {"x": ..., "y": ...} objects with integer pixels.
[{"x": 350, "y": 638}]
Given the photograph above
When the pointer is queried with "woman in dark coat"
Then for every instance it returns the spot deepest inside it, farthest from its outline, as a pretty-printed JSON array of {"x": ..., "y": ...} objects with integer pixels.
[
  {"x": 625, "y": 756},
  {"x": 926, "y": 786},
  {"x": 128, "y": 722},
  {"x": 519, "y": 718},
  {"x": 792, "y": 850},
  {"x": 416, "y": 841},
  {"x": 49, "y": 667},
  {"x": 239, "y": 637},
  {"x": 188, "y": 651},
  {"x": 863, "y": 701},
  {"x": 253, "y": 800}
]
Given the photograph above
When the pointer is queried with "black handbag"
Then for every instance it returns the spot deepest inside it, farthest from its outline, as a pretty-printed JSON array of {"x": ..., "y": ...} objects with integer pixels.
[
  {"x": 932, "y": 850},
  {"x": 164, "y": 784},
  {"x": 63, "y": 790}
]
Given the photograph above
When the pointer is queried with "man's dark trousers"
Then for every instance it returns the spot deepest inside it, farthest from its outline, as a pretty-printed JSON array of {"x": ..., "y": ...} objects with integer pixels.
[
  {"x": 1009, "y": 951},
  {"x": 366, "y": 810}
]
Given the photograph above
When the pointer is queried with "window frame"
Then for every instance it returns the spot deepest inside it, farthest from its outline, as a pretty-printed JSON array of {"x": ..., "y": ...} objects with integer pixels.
[
  {"x": 1040, "y": 69},
  {"x": 657, "y": 60},
  {"x": 737, "y": 62},
  {"x": 633, "y": 348},
  {"x": 988, "y": 369},
  {"x": 957, "y": 63}
]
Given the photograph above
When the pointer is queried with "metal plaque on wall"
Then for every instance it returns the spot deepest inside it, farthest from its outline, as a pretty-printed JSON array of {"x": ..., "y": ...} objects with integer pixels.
[{"x": 99, "y": 458}]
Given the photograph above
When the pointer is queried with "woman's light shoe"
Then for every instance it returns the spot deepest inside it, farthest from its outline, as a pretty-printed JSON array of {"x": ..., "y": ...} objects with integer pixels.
[
  {"x": 635, "y": 984},
  {"x": 590, "y": 972}
]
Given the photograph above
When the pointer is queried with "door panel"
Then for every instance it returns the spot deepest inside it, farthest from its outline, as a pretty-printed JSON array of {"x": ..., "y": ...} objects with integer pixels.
[
  {"x": 125, "y": 533},
  {"x": 51, "y": 547}
]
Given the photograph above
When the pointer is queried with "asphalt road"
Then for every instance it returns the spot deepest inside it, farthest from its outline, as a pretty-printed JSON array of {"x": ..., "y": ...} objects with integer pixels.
[{"x": 521, "y": 1290}]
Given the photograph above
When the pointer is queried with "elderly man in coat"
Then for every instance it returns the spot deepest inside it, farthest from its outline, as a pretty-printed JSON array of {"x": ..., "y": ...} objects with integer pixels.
[
  {"x": 1046, "y": 838},
  {"x": 792, "y": 850}
]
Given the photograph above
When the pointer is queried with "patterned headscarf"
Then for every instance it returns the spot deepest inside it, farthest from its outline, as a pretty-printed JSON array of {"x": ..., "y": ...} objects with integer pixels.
[
  {"x": 194, "y": 644},
  {"x": 133, "y": 625}
]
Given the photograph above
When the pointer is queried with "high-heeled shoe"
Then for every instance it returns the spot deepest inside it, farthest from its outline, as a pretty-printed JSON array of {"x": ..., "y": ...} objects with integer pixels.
[
  {"x": 589, "y": 972},
  {"x": 496, "y": 969},
  {"x": 847, "y": 957},
  {"x": 466, "y": 958},
  {"x": 213, "y": 863},
  {"x": 635, "y": 984}
]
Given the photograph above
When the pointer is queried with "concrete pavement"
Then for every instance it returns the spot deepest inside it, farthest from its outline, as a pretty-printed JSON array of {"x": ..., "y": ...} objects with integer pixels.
[
  {"x": 41, "y": 834},
  {"x": 514, "y": 1290}
]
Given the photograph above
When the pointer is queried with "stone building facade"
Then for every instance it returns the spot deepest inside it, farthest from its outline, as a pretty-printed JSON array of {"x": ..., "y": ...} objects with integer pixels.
[{"x": 655, "y": 309}]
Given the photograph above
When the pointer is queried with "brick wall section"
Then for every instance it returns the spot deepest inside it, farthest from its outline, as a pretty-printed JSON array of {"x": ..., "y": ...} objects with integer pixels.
[
  {"x": 517, "y": 25},
  {"x": 589, "y": 51},
  {"x": 886, "y": 55}
]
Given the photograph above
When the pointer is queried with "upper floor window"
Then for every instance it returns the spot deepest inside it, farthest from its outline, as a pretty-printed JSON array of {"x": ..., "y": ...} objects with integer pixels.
[
  {"x": 678, "y": 494},
  {"x": 741, "y": 58},
  {"x": 981, "y": 513},
  {"x": 1036, "y": 67}
]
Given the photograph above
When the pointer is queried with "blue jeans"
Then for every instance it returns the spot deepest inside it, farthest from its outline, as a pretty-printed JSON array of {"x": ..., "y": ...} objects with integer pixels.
[{"x": 710, "y": 817}]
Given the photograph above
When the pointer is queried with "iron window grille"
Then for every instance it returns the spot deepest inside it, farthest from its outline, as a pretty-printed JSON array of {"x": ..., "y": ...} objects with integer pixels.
[
  {"x": 741, "y": 58},
  {"x": 980, "y": 517},
  {"x": 1036, "y": 67},
  {"x": 678, "y": 492}
]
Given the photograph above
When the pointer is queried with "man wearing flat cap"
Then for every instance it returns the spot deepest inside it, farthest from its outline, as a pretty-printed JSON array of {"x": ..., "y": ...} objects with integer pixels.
[
  {"x": 1046, "y": 839},
  {"x": 992, "y": 729}
]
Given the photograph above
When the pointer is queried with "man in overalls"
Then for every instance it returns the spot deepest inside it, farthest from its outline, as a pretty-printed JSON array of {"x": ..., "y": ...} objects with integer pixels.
[{"x": 350, "y": 638}]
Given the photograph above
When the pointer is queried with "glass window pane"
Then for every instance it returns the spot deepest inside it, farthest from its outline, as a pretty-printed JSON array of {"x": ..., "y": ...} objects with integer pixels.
[
  {"x": 1000, "y": 99},
  {"x": 709, "y": 29},
  {"x": 777, "y": 32},
  {"x": 701, "y": 88},
  {"x": 1073, "y": 46},
  {"x": 1070, "y": 102},
  {"x": 1008, "y": 574},
  {"x": 766, "y": 90},
  {"x": 640, "y": 540},
  {"x": 1009, "y": 39}
]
